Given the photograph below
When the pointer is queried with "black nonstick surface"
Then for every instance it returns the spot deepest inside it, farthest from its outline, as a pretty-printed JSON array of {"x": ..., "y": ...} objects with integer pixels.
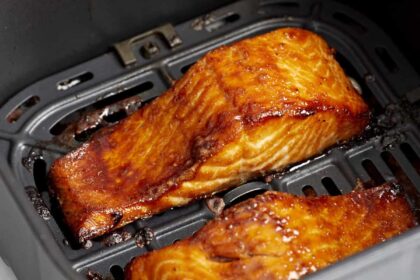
[{"x": 37, "y": 125}]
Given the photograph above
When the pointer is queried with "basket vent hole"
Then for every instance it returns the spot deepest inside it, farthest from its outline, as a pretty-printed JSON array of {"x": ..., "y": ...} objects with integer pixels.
[
  {"x": 245, "y": 196},
  {"x": 395, "y": 167},
  {"x": 40, "y": 175},
  {"x": 58, "y": 128},
  {"x": 386, "y": 59},
  {"x": 330, "y": 186},
  {"x": 175, "y": 241},
  {"x": 403, "y": 179},
  {"x": 115, "y": 117},
  {"x": 74, "y": 81},
  {"x": 124, "y": 94},
  {"x": 108, "y": 110},
  {"x": 185, "y": 68},
  {"x": 222, "y": 22},
  {"x": 411, "y": 155},
  {"x": 309, "y": 191},
  {"x": 350, "y": 22},
  {"x": 117, "y": 272},
  {"x": 373, "y": 172},
  {"x": 21, "y": 109},
  {"x": 86, "y": 134}
]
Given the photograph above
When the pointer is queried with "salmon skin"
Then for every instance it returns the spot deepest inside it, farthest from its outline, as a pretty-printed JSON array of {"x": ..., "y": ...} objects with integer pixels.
[
  {"x": 280, "y": 236},
  {"x": 240, "y": 112}
]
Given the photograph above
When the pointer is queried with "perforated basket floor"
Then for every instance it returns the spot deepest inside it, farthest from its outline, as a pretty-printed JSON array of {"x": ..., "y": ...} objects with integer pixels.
[{"x": 37, "y": 124}]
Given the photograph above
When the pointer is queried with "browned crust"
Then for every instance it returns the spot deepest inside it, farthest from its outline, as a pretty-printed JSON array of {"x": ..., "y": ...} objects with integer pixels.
[
  {"x": 126, "y": 171},
  {"x": 301, "y": 235}
]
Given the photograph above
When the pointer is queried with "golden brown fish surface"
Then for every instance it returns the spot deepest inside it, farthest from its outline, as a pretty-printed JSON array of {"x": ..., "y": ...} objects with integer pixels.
[
  {"x": 280, "y": 236},
  {"x": 241, "y": 111}
]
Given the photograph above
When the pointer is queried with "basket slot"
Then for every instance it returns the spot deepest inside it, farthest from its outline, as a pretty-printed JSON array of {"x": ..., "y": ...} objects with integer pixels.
[
  {"x": 330, "y": 186},
  {"x": 309, "y": 191},
  {"x": 117, "y": 272},
  {"x": 373, "y": 172}
]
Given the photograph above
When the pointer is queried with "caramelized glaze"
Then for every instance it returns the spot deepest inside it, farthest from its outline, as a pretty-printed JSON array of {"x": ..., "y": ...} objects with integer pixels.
[
  {"x": 241, "y": 111},
  {"x": 280, "y": 236}
]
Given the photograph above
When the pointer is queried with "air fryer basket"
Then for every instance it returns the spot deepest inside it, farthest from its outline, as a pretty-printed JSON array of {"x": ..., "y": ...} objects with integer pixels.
[{"x": 42, "y": 122}]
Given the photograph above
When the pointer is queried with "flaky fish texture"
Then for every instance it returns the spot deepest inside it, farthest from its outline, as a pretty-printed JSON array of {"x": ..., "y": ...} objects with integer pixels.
[
  {"x": 280, "y": 236},
  {"x": 241, "y": 111}
]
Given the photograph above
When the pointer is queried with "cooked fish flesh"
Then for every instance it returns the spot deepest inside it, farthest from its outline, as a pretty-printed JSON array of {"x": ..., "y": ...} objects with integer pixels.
[
  {"x": 280, "y": 236},
  {"x": 241, "y": 111}
]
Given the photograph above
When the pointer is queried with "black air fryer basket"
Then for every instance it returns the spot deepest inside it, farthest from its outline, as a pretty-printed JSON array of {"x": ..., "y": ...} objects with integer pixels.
[{"x": 42, "y": 122}]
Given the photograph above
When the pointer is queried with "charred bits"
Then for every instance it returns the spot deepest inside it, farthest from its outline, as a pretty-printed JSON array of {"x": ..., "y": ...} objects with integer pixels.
[
  {"x": 38, "y": 203},
  {"x": 89, "y": 121},
  {"x": 144, "y": 237},
  {"x": 117, "y": 237},
  {"x": 87, "y": 244},
  {"x": 215, "y": 205},
  {"x": 92, "y": 275},
  {"x": 29, "y": 161},
  {"x": 116, "y": 217}
]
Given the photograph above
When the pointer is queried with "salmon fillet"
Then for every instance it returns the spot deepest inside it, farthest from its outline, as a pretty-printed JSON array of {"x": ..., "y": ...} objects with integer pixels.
[
  {"x": 280, "y": 236},
  {"x": 241, "y": 111}
]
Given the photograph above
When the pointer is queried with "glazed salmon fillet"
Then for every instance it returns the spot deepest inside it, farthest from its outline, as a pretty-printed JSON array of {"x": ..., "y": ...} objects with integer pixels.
[
  {"x": 280, "y": 236},
  {"x": 241, "y": 111}
]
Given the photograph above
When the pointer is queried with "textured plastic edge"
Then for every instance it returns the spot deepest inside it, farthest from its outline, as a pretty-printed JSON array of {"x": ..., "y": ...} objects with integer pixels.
[{"x": 21, "y": 243}]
